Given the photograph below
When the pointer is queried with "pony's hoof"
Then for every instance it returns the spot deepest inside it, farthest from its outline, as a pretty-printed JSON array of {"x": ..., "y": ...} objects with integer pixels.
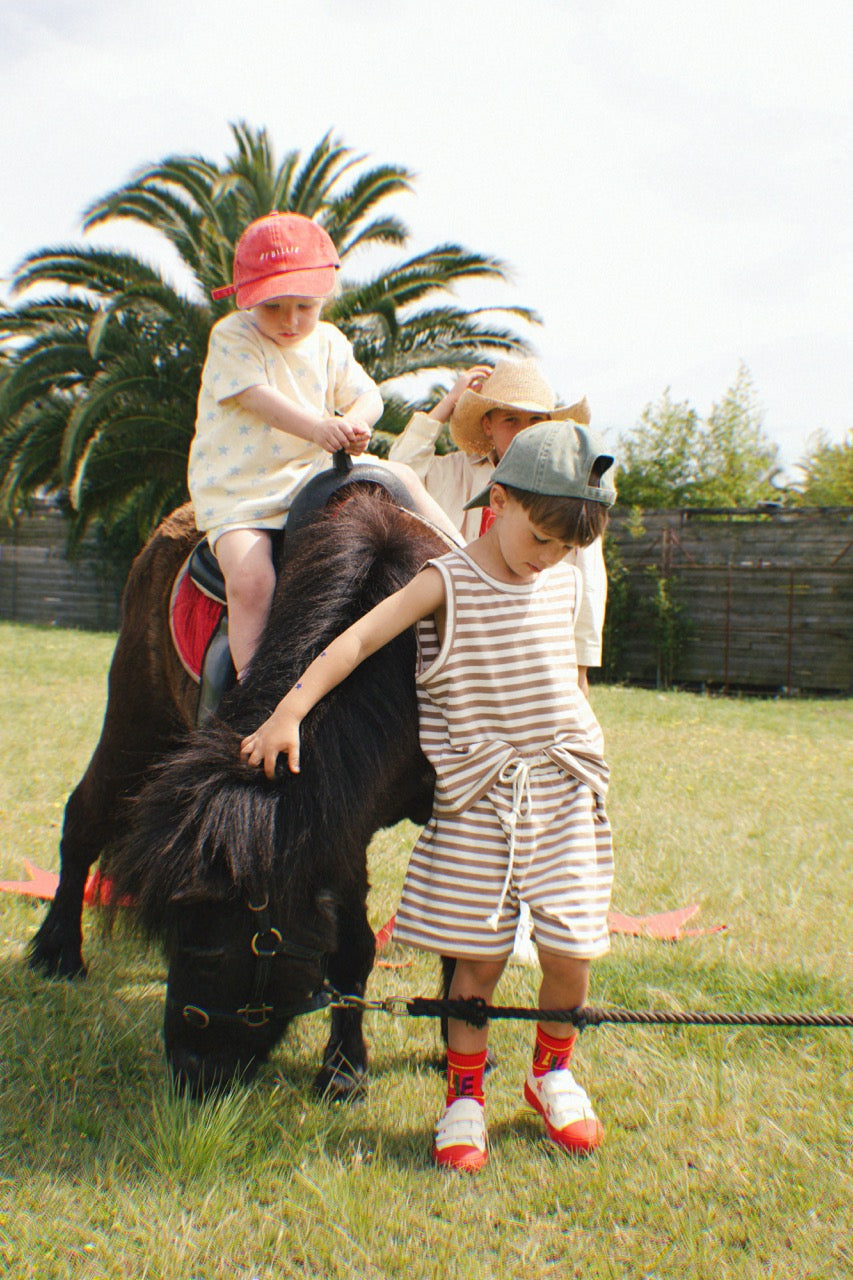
[
  {"x": 340, "y": 1082},
  {"x": 57, "y": 963}
]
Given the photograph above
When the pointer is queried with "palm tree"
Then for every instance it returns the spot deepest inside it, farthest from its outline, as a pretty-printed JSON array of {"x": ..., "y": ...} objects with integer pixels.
[
  {"x": 100, "y": 395},
  {"x": 105, "y": 355}
]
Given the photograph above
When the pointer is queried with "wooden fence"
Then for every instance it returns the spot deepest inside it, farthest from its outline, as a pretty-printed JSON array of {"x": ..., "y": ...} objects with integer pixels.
[
  {"x": 759, "y": 600},
  {"x": 39, "y": 584}
]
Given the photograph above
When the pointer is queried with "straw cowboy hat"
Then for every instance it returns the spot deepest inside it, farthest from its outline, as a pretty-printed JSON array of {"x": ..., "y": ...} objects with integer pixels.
[{"x": 513, "y": 384}]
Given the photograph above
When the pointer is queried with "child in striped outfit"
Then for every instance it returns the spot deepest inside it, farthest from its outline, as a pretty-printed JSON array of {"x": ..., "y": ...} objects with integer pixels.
[{"x": 520, "y": 773}]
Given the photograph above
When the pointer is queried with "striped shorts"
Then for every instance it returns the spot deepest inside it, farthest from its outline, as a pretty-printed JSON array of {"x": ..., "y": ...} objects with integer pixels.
[{"x": 562, "y": 867}]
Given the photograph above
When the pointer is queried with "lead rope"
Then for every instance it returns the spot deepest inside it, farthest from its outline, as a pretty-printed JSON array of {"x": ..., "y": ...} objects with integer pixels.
[{"x": 478, "y": 1013}]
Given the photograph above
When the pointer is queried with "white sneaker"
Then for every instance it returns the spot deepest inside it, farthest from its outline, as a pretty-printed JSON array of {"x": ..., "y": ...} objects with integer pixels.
[
  {"x": 570, "y": 1121},
  {"x": 460, "y": 1136}
]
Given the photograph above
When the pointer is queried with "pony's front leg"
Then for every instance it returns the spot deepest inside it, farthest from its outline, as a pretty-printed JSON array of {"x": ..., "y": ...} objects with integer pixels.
[
  {"x": 343, "y": 1075},
  {"x": 57, "y": 949}
]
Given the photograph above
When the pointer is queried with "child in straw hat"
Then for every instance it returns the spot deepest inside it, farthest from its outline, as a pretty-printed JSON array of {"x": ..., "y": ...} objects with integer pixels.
[
  {"x": 486, "y": 408},
  {"x": 520, "y": 771}
]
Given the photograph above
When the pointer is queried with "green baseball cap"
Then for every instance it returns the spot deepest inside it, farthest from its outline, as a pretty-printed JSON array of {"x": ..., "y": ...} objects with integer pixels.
[{"x": 556, "y": 458}]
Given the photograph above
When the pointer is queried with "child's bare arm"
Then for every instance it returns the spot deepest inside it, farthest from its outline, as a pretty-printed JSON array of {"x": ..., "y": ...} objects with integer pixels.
[
  {"x": 470, "y": 380},
  {"x": 279, "y": 734},
  {"x": 277, "y": 411},
  {"x": 415, "y": 445},
  {"x": 366, "y": 408}
]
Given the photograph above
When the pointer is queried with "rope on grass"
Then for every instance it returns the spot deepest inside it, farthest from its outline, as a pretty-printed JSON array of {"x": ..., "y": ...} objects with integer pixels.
[{"x": 477, "y": 1013}]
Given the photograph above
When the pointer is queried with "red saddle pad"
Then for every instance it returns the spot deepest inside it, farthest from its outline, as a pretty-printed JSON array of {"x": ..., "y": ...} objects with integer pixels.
[{"x": 193, "y": 618}]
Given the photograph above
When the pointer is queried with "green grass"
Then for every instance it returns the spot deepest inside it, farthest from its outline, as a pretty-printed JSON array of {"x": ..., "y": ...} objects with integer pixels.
[{"x": 728, "y": 1152}]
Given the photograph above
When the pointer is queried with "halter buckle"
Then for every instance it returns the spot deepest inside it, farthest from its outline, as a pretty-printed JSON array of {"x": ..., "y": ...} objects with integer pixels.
[
  {"x": 196, "y": 1016},
  {"x": 261, "y": 951},
  {"x": 397, "y": 1006},
  {"x": 255, "y": 1015}
]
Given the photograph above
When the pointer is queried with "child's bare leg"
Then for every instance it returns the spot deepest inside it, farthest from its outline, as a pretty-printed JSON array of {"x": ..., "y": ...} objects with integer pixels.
[
  {"x": 245, "y": 556},
  {"x": 472, "y": 979},
  {"x": 565, "y": 983},
  {"x": 460, "y": 1135},
  {"x": 424, "y": 502},
  {"x": 550, "y": 1087}
]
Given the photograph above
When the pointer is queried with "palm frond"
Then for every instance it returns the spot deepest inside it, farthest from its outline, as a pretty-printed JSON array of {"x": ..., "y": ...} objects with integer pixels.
[
  {"x": 325, "y": 167},
  {"x": 28, "y": 454},
  {"x": 410, "y": 282},
  {"x": 105, "y": 404},
  {"x": 98, "y": 271},
  {"x": 60, "y": 313},
  {"x": 176, "y": 187},
  {"x": 160, "y": 306},
  {"x": 43, "y": 373},
  {"x": 344, "y": 214}
]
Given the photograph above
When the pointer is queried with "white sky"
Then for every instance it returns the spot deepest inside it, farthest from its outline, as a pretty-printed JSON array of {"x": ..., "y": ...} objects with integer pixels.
[{"x": 670, "y": 180}]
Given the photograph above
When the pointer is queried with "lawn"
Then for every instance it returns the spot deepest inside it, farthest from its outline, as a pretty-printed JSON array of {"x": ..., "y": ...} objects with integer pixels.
[{"x": 728, "y": 1153}]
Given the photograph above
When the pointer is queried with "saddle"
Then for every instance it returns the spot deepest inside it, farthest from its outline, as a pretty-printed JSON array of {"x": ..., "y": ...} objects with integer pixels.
[{"x": 198, "y": 612}]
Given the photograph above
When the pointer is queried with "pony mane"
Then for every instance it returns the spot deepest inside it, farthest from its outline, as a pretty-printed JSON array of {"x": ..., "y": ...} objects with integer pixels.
[{"x": 208, "y": 826}]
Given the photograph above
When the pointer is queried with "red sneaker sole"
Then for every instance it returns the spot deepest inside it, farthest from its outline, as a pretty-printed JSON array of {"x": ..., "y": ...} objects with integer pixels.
[
  {"x": 580, "y": 1138},
  {"x": 468, "y": 1159}
]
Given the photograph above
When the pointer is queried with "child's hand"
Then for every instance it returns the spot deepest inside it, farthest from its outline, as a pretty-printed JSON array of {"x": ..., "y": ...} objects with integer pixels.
[
  {"x": 360, "y": 433},
  {"x": 471, "y": 380},
  {"x": 279, "y": 735},
  {"x": 350, "y": 434},
  {"x": 331, "y": 434}
]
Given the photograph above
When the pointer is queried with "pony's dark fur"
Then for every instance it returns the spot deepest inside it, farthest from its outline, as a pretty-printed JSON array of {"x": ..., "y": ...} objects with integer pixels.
[
  {"x": 209, "y": 836},
  {"x": 207, "y": 819}
]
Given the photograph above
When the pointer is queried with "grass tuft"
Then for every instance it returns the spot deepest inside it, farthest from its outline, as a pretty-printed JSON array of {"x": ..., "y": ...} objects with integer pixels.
[{"x": 176, "y": 1139}]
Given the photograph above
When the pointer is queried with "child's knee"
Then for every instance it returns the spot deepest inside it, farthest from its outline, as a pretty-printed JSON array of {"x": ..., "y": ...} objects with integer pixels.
[
  {"x": 568, "y": 972},
  {"x": 251, "y": 584},
  {"x": 479, "y": 973},
  {"x": 561, "y": 965}
]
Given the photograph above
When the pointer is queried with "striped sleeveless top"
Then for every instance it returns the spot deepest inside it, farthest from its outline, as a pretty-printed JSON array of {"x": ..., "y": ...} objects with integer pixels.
[{"x": 503, "y": 684}]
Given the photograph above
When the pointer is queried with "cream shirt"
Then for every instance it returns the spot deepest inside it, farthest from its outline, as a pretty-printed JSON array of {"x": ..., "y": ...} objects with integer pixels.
[
  {"x": 453, "y": 478},
  {"x": 243, "y": 473}
]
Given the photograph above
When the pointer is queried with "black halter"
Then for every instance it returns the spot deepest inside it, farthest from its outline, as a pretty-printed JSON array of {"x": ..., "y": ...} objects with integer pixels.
[{"x": 267, "y": 944}]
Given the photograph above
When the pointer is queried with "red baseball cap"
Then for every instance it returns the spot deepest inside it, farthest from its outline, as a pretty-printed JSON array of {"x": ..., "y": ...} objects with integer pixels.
[{"x": 280, "y": 255}]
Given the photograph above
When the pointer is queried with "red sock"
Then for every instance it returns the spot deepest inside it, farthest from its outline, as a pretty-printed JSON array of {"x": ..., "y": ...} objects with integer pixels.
[
  {"x": 551, "y": 1054},
  {"x": 465, "y": 1076}
]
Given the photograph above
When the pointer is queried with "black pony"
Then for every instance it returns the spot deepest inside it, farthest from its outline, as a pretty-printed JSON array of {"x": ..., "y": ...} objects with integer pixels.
[{"x": 256, "y": 889}]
